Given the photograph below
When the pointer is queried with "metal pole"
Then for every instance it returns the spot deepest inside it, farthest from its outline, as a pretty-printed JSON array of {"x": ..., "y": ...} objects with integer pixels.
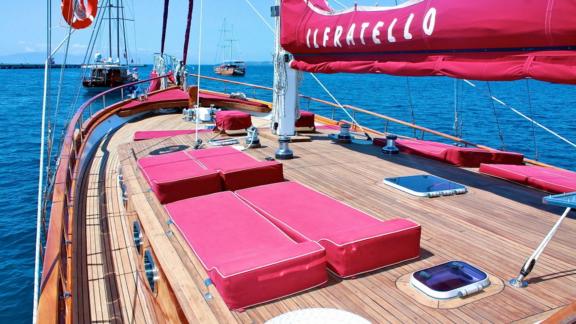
[
  {"x": 531, "y": 262},
  {"x": 39, "y": 214}
]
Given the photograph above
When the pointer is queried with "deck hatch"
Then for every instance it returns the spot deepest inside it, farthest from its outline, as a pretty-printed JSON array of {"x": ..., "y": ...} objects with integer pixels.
[
  {"x": 426, "y": 186},
  {"x": 449, "y": 280}
]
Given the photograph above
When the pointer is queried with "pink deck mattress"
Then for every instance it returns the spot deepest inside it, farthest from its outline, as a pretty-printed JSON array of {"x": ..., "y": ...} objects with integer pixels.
[
  {"x": 176, "y": 176},
  {"x": 187, "y": 174},
  {"x": 547, "y": 179},
  {"x": 355, "y": 242},
  {"x": 249, "y": 260},
  {"x": 459, "y": 156},
  {"x": 237, "y": 169}
]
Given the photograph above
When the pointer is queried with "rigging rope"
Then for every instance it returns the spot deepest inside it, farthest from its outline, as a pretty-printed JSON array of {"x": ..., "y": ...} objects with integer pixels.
[
  {"x": 86, "y": 60},
  {"x": 187, "y": 34},
  {"x": 340, "y": 105},
  {"x": 519, "y": 113},
  {"x": 536, "y": 153},
  {"x": 456, "y": 113},
  {"x": 341, "y": 4},
  {"x": 58, "y": 98},
  {"x": 411, "y": 104},
  {"x": 41, "y": 166},
  {"x": 500, "y": 133},
  {"x": 458, "y": 118},
  {"x": 164, "y": 25},
  {"x": 260, "y": 16}
]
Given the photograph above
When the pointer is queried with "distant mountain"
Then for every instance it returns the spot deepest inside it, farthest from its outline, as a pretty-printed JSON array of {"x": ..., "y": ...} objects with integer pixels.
[{"x": 38, "y": 58}]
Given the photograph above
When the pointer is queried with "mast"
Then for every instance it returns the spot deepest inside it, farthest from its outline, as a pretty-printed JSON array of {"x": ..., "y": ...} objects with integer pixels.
[
  {"x": 110, "y": 27},
  {"x": 118, "y": 30},
  {"x": 285, "y": 100},
  {"x": 231, "y": 44},
  {"x": 121, "y": 3}
]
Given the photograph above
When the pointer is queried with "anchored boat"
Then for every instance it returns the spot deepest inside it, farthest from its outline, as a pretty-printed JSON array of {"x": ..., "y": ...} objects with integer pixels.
[
  {"x": 113, "y": 71},
  {"x": 190, "y": 205},
  {"x": 229, "y": 67}
]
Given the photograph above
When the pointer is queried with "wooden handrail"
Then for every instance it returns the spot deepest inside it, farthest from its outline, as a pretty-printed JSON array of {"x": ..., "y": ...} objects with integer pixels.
[
  {"x": 55, "y": 304},
  {"x": 413, "y": 126}
]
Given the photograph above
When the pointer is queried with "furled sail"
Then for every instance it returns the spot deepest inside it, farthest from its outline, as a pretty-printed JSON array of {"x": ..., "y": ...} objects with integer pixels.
[{"x": 481, "y": 40}]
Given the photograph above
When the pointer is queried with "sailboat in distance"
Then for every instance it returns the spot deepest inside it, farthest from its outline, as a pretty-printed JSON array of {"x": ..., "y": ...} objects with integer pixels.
[
  {"x": 230, "y": 66},
  {"x": 117, "y": 69}
]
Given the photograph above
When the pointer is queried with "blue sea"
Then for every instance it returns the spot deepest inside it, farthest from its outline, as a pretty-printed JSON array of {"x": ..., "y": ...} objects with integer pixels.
[{"x": 430, "y": 102}]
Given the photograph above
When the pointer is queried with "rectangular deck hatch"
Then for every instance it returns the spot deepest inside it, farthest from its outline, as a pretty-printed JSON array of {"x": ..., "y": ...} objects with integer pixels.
[
  {"x": 426, "y": 185},
  {"x": 449, "y": 280}
]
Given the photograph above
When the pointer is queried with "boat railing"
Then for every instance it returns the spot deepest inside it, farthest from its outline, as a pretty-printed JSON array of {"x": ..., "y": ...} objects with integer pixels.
[
  {"x": 389, "y": 124},
  {"x": 57, "y": 286}
]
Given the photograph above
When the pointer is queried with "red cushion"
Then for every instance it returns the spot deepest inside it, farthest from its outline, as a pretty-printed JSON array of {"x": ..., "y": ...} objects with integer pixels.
[
  {"x": 554, "y": 184},
  {"x": 515, "y": 173},
  {"x": 232, "y": 120},
  {"x": 176, "y": 176},
  {"x": 428, "y": 149},
  {"x": 306, "y": 119},
  {"x": 473, "y": 157},
  {"x": 355, "y": 242},
  {"x": 239, "y": 170},
  {"x": 249, "y": 260},
  {"x": 459, "y": 156},
  {"x": 548, "y": 179}
]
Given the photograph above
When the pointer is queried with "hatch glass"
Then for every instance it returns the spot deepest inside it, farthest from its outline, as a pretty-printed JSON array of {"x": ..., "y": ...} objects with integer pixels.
[
  {"x": 426, "y": 185},
  {"x": 450, "y": 279}
]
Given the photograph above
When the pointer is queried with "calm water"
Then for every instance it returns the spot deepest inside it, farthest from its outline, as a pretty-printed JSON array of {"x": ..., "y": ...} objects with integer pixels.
[{"x": 429, "y": 100}]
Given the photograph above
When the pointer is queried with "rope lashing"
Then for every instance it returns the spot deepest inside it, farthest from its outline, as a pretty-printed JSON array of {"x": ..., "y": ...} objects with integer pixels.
[
  {"x": 535, "y": 142},
  {"x": 500, "y": 133}
]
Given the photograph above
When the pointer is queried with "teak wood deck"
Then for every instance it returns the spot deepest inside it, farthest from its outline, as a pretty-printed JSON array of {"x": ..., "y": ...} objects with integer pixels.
[{"x": 495, "y": 226}]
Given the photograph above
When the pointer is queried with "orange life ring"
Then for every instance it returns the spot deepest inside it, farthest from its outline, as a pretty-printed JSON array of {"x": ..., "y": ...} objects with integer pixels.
[{"x": 81, "y": 16}]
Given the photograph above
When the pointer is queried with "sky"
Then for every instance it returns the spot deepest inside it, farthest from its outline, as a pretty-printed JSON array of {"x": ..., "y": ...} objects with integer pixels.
[{"x": 23, "y": 29}]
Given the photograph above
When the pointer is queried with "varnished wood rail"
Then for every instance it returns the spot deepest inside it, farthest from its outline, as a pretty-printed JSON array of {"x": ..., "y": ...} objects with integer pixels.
[{"x": 55, "y": 303}]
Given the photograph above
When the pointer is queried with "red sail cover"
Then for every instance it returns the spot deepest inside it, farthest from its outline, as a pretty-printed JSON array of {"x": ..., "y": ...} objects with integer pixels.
[{"x": 481, "y": 40}]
